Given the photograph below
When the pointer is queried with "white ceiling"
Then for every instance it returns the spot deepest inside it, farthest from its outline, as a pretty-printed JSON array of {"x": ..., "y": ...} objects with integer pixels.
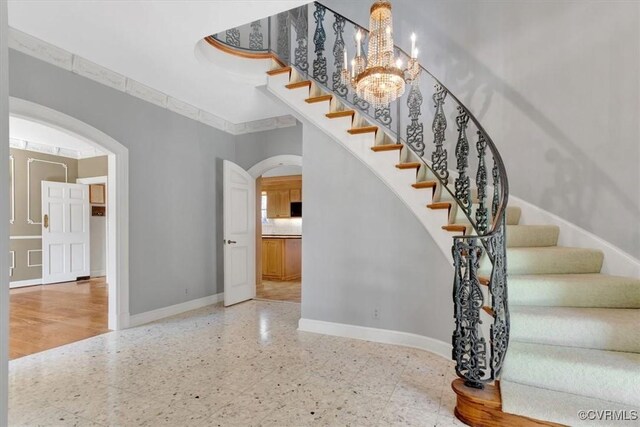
[
  {"x": 154, "y": 42},
  {"x": 29, "y": 135}
]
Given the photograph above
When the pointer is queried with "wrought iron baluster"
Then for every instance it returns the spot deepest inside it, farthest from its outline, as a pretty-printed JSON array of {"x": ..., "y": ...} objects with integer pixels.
[
  {"x": 496, "y": 190},
  {"x": 382, "y": 113},
  {"x": 284, "y": 36},
  {"x": 469, "y": 347},
  {"x": 415, "y": 129},
  {"x": 338, "y": 51},
  {"x": 357, "y": 101},
  {"x": 439, "y": 156},
  {"x": 499, "y": 332},
  {"x": 319, "y": 38},
  {"x": 256, "y": 39},
  {"x": 301, "y": 52},
  {"x": 232, "y": 37},
  {"x": 463, "y": 183},
  {"x": 481, "y": 183}
]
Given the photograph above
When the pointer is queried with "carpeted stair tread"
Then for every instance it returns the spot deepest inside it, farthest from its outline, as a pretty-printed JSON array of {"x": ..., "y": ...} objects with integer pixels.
[
  {"x": 557, "y": 407},
  {"x": 574, "y": 290},
  {"x": 615, "y": 329},
  {"x": 549, "y": 260},
  {"x": 532, "y": 235},
  {"x": 599, "y": 374}
]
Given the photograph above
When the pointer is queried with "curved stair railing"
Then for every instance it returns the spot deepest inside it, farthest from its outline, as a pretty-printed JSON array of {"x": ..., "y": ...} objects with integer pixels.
[{"x": 480, "y": 284}]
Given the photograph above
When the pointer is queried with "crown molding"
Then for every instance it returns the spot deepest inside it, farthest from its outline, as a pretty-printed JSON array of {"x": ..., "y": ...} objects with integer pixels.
[
  {"x": 21, "y": 144},
  {"x": 59, "y": 57}
]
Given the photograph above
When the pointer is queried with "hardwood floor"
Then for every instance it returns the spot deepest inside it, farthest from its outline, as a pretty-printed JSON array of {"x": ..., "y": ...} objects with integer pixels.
[
  {"x": 279, "y": 291},
  {"x": 48, "y": 316}
]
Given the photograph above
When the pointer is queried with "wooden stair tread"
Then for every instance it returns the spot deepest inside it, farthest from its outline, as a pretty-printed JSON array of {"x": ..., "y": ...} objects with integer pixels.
[
  {"x": 488, "y": 310},
  {"x": 336, "y": 114},
  {"x": 364, "y": 129},
  {"x": 320, "y": 98},
  {"x": 455, "y": 228},
  {"x": 484, "y": 281},
  {"x": 409, "y": 165},
  {"x": 424, "y": 184},
  {"x": 483, "y": 407},
  {"x": 440, "y": 205},
  {"x": 279, "y": 71},
  {"x": 296, "y": 85},
  {"x": 386, "y": 147}
]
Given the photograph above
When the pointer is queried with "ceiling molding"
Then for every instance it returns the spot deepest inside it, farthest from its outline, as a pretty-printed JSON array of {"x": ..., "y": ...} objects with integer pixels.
[
  {"x": 21, "y": 144},
  {"x": 47, "y": 52}
]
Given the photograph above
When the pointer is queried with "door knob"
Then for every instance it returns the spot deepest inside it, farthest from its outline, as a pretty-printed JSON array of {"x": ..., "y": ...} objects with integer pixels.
[
  {"x": 46, "y": 221},
  {"x": 231, "y": 241}
]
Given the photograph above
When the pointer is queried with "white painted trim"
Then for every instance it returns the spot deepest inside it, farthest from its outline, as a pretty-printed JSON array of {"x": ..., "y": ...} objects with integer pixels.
[
  {"x": 98, "y": 273},
  {"x": 23, "y": 283},
  {"x": 29, "y": 258},
  {"x": 24, "y": 237},
  {"x": 47, "y": 52},
  {"x": 29, "y": 161},
  {"x": 12, "y": 219},
  {"x": 172, "y": 310},
  {"x": 384, "y": 336},
  {"x": 616, "y": 261},
  {"x": 13, "y": 263},
  {"x": 93, "y": 180},
  {"x": 50, "y": 148},
  {"x": 117, "y": 201},
  {"x": 266, "y": 165}
]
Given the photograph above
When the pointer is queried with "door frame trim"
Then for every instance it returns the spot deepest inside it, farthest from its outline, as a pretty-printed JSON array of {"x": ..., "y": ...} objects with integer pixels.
[{"x": 118, "y": 194}]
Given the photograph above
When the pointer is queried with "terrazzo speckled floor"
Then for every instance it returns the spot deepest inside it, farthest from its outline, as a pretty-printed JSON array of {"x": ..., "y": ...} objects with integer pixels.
[{"x": 246, "y": 365}]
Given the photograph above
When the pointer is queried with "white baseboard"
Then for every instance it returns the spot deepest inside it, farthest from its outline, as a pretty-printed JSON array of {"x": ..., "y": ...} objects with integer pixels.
[
  {"x": 384, "y": 336},
  {"x": 23, "y": 283},
  {"x": 172, "y": 310}
]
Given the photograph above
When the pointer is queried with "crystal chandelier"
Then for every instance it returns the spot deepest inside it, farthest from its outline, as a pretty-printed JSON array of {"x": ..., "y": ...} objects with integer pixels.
[{"x": 379, "y": 78}]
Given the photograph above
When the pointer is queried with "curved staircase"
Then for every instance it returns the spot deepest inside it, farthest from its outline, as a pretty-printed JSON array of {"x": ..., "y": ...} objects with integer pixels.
[{"x": 574, "y": 337}]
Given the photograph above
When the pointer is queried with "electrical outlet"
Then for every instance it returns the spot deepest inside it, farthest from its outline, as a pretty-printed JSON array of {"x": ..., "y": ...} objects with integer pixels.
[
  {"x": 186, "y": 291},
  {"x": 376, "y": 313}
]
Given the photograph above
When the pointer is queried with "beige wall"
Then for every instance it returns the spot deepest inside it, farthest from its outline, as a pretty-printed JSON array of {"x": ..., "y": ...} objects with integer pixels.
[
  {"x": 94, "y": 166},
  {"x": 27, "y": 170}
]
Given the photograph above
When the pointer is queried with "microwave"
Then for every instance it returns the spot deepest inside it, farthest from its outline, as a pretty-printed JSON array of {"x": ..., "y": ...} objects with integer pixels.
[{"x": 296, "y": 209}]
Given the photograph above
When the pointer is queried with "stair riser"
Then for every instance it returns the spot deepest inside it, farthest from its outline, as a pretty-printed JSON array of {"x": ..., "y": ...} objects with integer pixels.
[
  {"x": 522, "y": 261},
  {"x": 532, "y": 236},
  {"x": 586, "y": 328}
]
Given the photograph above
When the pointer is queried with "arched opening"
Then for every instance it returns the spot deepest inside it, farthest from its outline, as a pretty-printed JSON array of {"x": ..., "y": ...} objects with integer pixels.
[
  {"x": 117, "y": 199},
  {"x": 279, "y": 236}
]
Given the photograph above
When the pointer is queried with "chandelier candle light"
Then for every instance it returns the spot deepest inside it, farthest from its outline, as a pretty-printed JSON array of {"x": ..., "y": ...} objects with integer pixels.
[{"x": 380, "y": 80}]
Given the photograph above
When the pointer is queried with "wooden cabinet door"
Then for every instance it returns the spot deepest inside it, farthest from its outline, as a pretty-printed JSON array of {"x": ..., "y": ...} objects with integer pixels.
[
  {"x": 284, "y": 204},
  {"x": 272, "y": 258},
  {"x": 296, "y": 195}
]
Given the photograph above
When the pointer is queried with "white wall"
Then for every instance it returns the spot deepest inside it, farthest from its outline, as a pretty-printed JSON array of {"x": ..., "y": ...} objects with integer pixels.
[
  {"x": 4, "y": 213},
  {"x": 557, "y": 86},
  {"x": 364, "y": 250}
]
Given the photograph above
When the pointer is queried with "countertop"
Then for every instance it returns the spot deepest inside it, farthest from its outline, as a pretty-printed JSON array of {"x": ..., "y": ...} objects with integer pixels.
[{"x": 281, "y": 236}]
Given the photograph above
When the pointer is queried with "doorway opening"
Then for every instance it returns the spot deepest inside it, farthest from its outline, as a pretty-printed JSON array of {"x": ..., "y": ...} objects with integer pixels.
[
  {"x": 279, "y": 219},
  {"x": 69, "y": 265}
]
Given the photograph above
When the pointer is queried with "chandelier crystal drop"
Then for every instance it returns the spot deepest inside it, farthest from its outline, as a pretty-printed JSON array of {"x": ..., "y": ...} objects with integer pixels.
[{"x": 379, "y": 78}]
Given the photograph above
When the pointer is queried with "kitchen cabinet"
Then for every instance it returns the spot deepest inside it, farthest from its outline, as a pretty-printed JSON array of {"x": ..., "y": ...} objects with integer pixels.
[
  {"x": 278, "y": 204},
  {"x": 295, "y": 195},
  {"x": 281, "y": 258}
]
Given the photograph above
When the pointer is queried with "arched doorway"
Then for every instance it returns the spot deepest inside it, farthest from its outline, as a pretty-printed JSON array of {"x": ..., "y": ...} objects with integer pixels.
[{"x": 117, "y": 198}]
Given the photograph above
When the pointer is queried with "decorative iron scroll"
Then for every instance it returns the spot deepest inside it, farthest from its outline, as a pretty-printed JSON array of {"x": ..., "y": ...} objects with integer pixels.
[
  {"x": 499, "y": 332},
  {"x": 232, "y": 37},
  {"x": 338, "y": 51},
  {"x": 382, "y": 113},
  {"x": 319, "y": 38},
  {"x": 496, "y": 195},
  {"x": 415, "y": 129},
  {"x": 469, "y": 347},
  {"x": 463, "y": 183},
  {"x": 481, "y": 184},
  {"x": 284, "y": 36},
  {"x": 256, "y": 39},
  {"x": 439, "y": 156},
  {"x": 301, "y": 52}
]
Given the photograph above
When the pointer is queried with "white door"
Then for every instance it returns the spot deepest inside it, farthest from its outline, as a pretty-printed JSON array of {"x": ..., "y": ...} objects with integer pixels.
[
  {"x": 239, "y": 234},
  {"x": 65, "y": 232}
]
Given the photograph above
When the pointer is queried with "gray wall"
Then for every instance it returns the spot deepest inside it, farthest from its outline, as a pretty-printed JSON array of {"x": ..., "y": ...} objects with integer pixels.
[
  {"x": 4, "y": 213},
  {"x": 252, "y": 148},
  {"x": 175, "y": 181},
  {"x": 364, "y": 250},
  {"x": 557, "y": 86}
]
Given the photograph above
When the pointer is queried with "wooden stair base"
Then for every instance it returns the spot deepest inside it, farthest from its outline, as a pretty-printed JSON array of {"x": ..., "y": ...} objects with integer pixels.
[
  {"x": 386, "y": 147},
  {"x": 296, "y": 85},
  {"x": 364, "y": 129},
  {"x": 483, "y": 408},
  {"x": 410, "y": 165},
  {"x": 320, "y": 98},
  {"x": 277, "y": 71},
  {"x": 424, "y": 184},
  {"x": 336, "y": 114},
  {"x": 455, "y": 228}
]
